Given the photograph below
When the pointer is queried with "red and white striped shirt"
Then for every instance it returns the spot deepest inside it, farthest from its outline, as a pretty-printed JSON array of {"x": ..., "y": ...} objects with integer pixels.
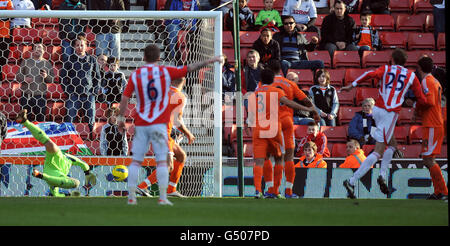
[
  {"x": 394, "y": 81},
  {"x": 151, "y": 84}
]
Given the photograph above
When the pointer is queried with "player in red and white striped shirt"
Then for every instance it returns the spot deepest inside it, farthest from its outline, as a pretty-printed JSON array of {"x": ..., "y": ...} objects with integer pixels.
[
  {"x": 395, "y": 80},
  {"x": 151, "y": 84}
]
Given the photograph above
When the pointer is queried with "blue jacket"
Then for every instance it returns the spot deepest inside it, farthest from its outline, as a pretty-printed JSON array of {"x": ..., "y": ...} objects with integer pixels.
[
  {"x": 177, "y": 5},
  {"x": 356, "y": 128}
]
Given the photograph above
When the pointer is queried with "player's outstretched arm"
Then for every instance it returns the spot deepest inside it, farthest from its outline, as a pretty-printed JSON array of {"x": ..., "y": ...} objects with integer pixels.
[
  {"x": 295, "y": 105},
  {"x": 90, "y": 177},
  {"x": 198, "y": 65}
]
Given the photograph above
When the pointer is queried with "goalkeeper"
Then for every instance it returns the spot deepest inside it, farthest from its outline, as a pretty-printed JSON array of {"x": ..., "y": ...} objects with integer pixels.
[{"x": 57, "y": 164}]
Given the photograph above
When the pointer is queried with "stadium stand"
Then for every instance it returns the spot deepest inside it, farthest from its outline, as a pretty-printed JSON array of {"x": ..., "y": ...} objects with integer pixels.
[
  {"x": 335, "y": 134},
  {"x": 320, "y": 55},
  {"x": 339, "y": 150},
  {"x": 375, "y": 58},
  {"x": 346, "y": 59},
  {"x": 383, "y": 22},
  {"x": 422, "y": 6},
  {"x": 401, "y": 6},
  {"x": 393, "y": 40},
  {"x": 406, "y": 22},
  {"x": 346, "y": 114},
  {"x": 365, "y": 92},
  {"x": 421, "y": 41},
  {"x": 305, "y": 76},
  {"x": 337, "y": 76}
]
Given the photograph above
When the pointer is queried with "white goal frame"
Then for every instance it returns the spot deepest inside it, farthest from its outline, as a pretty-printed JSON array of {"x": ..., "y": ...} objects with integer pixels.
[{"x": 136, "y": 15}]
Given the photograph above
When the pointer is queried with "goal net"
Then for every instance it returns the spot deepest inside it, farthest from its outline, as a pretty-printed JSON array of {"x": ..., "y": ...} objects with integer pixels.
[{"x": 69, "y": 90}]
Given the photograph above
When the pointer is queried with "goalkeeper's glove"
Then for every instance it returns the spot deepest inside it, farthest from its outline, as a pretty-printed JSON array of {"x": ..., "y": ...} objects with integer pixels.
[{"x": 90, "y": 178}]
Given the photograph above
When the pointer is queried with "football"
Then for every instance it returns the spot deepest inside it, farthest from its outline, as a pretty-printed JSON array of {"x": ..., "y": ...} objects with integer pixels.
[{"x": 120, "y": 173}]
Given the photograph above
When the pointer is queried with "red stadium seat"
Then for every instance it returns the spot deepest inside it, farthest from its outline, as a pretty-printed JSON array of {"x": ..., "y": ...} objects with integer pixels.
[
  {"x": 319, "y": 20},
  {"x": 25, "y": 35},
  {"x": 439, "y": 57},
  {"x": 406, "y": 22},
  {"x": 443, "y": 153},
  {"x": 365, "y": 92},
  {"x": 9, "y": 71},
  {"x": 401, "y": 134},
  {"x": 346, "y": 59},
  {"x": 347, "y": 97},
  {"x": 55, "y": 53},
  {"x": 229, "y": 53},
  {"x": 410, "y": 151},
  {"x": 337, "y": 76},
  {"x": 401, "y": 5},
  {"x": 323, "y": 55},
  {"x": 346, "y": 114},
  {"x": 335, "y": 134},
  {"x": 440, "y": 42},
  {"x": 247, "y": 38},
  {"x": 422, "y": 6},
  {"x": 421, "y": 41},
  {"x": 351, "y": 74},
  {"x": 227, "y": 39},
  {"x": 16, "y": 53},
  {"x": 376, "y": 58},
  {"x": 55, "y": 92},
  {"x": 413, "y": 57},
  {"x": 383, "y": 22},
  {"x": 50, "y": 36},
  {"x": 339, "y": 150},
  {"x": 415, "y": 134},
  {"x": 405, "y": 116},
  {"x": 356, "y": 18},
  {"x": 429, "y": 23},
  {"x": 305, "y": 76},
  {"x": 43, "y": 22},
  {"x": 300, "y": 131},
  {"x": 100, "y": 110},
  {"x": 392, "y": 40}
]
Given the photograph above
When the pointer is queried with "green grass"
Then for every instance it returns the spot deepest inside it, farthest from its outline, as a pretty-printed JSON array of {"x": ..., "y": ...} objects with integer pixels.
[{"x": 50, "y": 211}]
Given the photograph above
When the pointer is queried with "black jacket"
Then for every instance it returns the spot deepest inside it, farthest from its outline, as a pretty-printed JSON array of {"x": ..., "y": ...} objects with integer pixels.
[
  {"x": 329, "y": 28},
  {"x": 267, "y": 53},
  {"x": 71, "y": 28}
]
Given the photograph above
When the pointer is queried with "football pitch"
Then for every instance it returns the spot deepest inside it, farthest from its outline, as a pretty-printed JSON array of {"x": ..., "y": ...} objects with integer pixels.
[{"x": 113, "y": 211}]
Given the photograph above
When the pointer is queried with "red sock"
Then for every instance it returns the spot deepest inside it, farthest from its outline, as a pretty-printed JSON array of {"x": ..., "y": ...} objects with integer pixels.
[
  {"x": 175, "y": 176},
  {"x": 289, "y": 172},
  {"x": 268, "y": 175},
  {"x": 257, "y": 177},
  {"x": 151, "y": 178},
  {"x": 277, "y": 176},
  {"x": 438, "y": 180}
]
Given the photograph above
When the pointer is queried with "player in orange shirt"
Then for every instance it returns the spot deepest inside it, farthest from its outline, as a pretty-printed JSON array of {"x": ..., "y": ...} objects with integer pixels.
[
  {"x": 355, "y": 155},
  {"x": 311, "y": 159},
  {"x": 177, "y": 102},
  {"x": 292, "y": 92},
  {"x": 264, "y": 116},
  {"x": 433, "y": 126}
]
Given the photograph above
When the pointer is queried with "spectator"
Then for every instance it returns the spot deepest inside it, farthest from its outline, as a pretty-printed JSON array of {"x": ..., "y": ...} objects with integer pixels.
[
  {"x": 337, "y": 30},
  {"x": 228, "y": 81},
  {"x": 355, "y": 155},
  {"x": 268, "y": 16},
  {"x": 304, "y": 13},
  {"x": 438, "y": 17},
  {"x": 22, "y": 5},
  {"x": 375, "y": 6},
  {"x": 293, "y": 77},
  {"x": 3, "y": 128},
  {"x": 311, "y": 159},
  {"x": 114, "y": 82},
  {"x": 69, "y": 29},
  {"x": 103, "y": 68},
  {"x": 176, "y": 25},
  {"x": 39, "y": 4},
  {"x": 313, "y": 134},
  {"x": 366, "y": 38},
  {"x": 34, "y": 74},
  {"x": 112, "y": 141},
  {"x": 325, "y": 99},
  {"x": 247, "y": 20},
  {"x": 293, "y": 46},
  {"x": 322, "y": 6},
  {"x": 5, "y": 33},
  {"x": 352, "y": 6},
  {"x": 268, "y": 49},
  {"x": 362, "y": 123},
  {"x": 251, "y": 74},
  {"x": 107, "y": 32},
  {"x": 300, "y": 117},
  {"x": 81, "y": 82}
]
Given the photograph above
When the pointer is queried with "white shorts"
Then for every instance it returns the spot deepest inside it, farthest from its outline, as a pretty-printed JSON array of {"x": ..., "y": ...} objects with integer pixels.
[
  {"x": 152, "y": 134},
  {"x": 385, "y": 124}
]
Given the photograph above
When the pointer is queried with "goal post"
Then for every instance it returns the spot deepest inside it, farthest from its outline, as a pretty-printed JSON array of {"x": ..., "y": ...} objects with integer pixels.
[{"x": 199, "y": 38}]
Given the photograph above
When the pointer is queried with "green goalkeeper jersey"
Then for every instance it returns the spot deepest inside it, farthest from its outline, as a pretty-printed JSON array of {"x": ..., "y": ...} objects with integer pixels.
[{"x": 59, "y": 163}]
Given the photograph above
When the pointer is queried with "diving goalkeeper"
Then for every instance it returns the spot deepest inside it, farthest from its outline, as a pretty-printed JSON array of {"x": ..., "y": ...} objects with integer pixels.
[{"x": 57, "y": 164}]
